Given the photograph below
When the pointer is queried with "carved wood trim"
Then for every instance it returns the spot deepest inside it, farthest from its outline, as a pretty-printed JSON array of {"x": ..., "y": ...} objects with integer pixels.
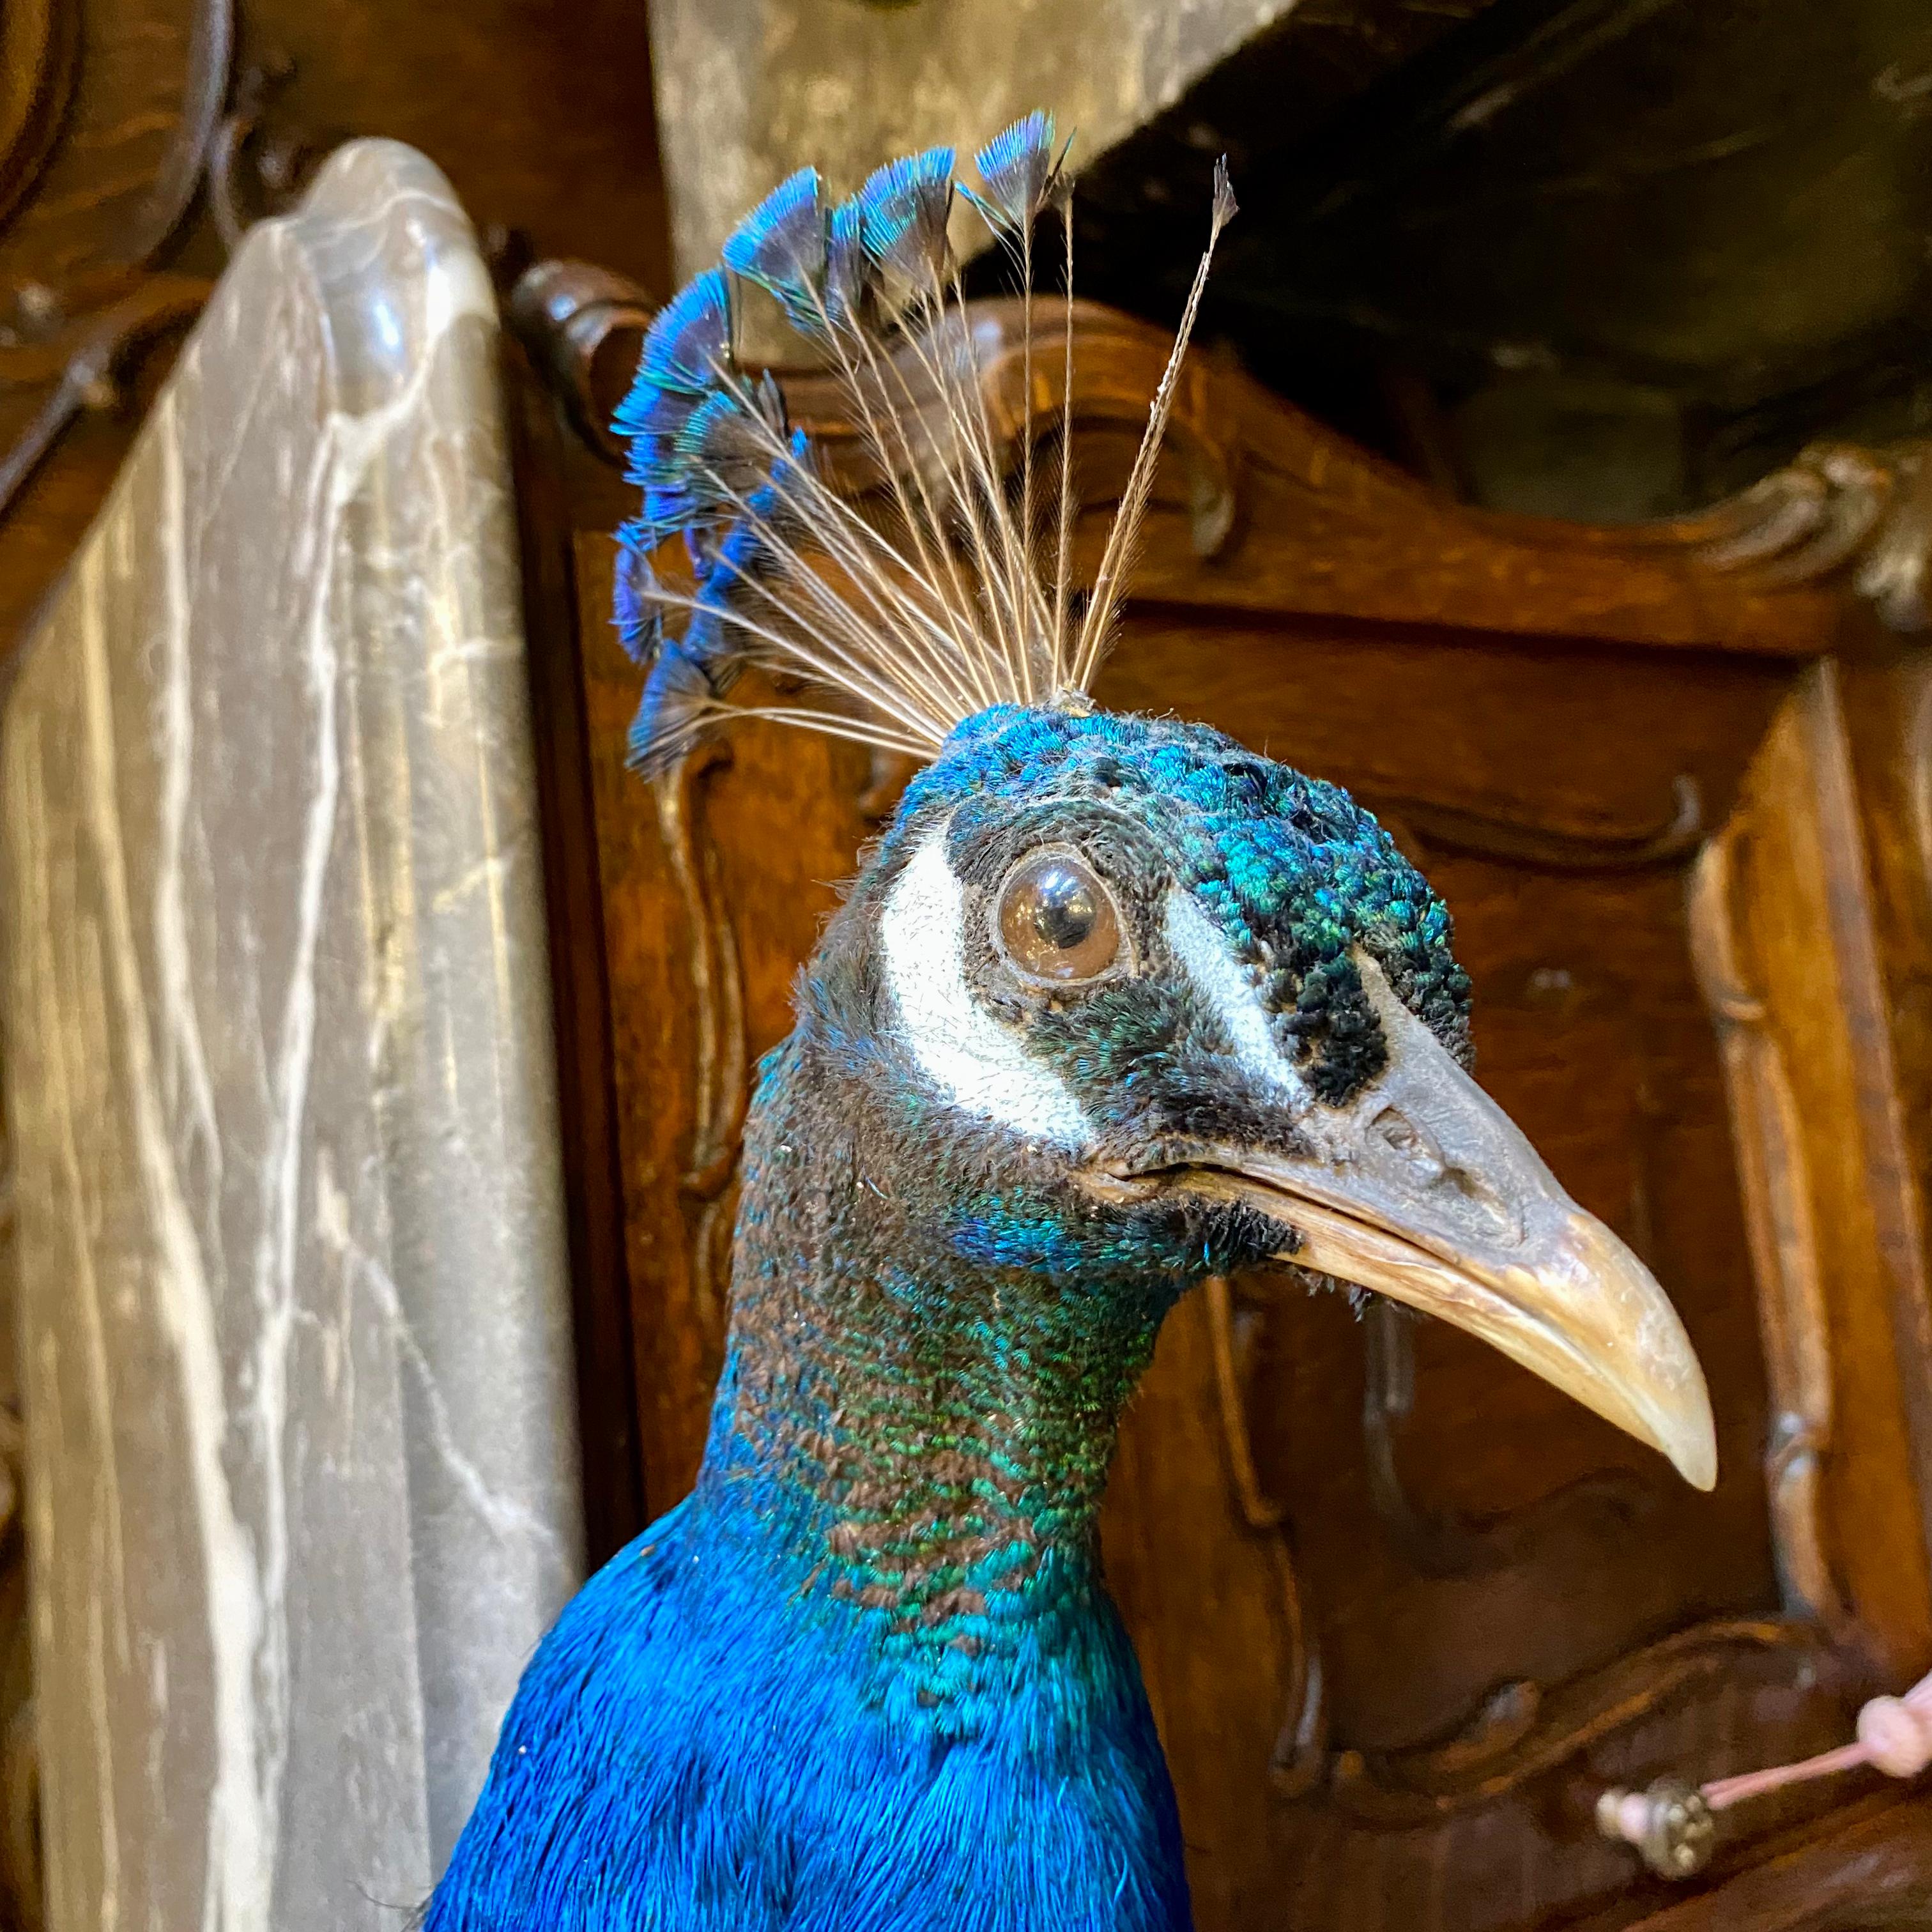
[
  {"x": 1439, "y": 1543},
  {"x": 1781, "y": 925},
  {"x": 582, "y": 326},
  {"x": 1835, "y": 508},
  {"x": 1294, "y": 518},
  {"x": 80, "y": 315},
  {"x": 253, "y": 169},
  {"x": 132, "y": 221},
  {"x": 40, "y": 42},
  {"x": 155, "y": 218},
  {"x": 1300, "y": 1755},
  {"x": 708, "y": 1183},
  {"x": 1451, "y": 828},
  {"x": 88, "y": 378},
  {"x": 1523, "y": 1731},
  {"x": 1875, "y": 1872},
  {"x": 1776, "y": 1188}
]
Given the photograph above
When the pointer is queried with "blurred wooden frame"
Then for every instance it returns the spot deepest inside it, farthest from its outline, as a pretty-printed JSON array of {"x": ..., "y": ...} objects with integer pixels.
[{"x": 1403, "y": 1613}]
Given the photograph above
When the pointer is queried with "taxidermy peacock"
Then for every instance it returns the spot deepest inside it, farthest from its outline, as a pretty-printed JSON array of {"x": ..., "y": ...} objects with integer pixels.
[{"x": 1113, "y": 1005}]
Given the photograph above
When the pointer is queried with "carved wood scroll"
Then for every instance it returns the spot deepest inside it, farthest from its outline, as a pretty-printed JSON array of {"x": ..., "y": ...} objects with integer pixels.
[
  {"x": 40, "y": 46},
  {"x": 73, "y": 303},
  {"x": 98, "y": 186},
  {"x": 1299, "y": 1757},
  {"x": 1837, "y": 508},
  {"x": 1524, "y": 1732}
]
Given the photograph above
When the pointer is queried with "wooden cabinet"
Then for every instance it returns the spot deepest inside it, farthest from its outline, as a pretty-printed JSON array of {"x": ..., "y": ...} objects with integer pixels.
[{"x": 1404, "y": 1611}]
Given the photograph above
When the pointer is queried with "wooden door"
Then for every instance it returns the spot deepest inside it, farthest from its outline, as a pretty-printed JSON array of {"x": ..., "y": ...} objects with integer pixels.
[{"x": 1403, "y": 1610}]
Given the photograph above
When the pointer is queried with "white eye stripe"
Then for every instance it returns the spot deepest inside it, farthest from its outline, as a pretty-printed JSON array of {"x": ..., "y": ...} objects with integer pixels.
[
  {"x": 979, "y": 1064},
  {"x": 1220, "y": 980}
]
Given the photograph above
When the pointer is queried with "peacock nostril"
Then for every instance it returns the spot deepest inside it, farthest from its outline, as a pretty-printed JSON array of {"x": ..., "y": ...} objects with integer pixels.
[
  {"x": 1409, "y": 1144},
  {"x": 1461, "y": 1191}
]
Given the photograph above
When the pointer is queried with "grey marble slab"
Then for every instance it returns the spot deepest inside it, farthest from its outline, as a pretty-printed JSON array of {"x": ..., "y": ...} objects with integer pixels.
[
  {"x": 748, "y": 92},
  {"x": 303, "y": 1486}
]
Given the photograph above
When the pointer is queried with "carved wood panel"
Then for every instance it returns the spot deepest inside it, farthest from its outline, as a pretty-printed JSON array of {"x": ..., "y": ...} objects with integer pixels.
[{"x": 1782, "y": 924}]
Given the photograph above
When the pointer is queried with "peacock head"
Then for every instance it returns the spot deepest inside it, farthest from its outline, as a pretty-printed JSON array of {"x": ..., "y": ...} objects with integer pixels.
[
  {"x": 1124, "y": 1003},
  {"x": 1137, "y": 999}
]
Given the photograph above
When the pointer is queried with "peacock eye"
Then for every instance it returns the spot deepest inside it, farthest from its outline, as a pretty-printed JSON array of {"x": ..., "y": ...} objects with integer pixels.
[{"x": 1056, "y": 922}]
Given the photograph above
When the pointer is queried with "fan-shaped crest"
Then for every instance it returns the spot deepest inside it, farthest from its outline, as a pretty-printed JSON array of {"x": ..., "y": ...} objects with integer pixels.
[{"x": 903, "y": 615}]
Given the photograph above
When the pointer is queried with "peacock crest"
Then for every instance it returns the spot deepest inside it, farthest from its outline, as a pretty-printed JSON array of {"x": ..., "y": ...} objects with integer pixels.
[{"x": 947, "y": 590}]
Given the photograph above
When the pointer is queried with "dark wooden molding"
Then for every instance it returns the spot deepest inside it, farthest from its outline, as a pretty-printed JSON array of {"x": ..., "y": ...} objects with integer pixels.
[
  {"x": 1437, "y": 1542},
  {"x": 1300, "y": 1758},
  {"x": 1779, "y": 930},
  {"x": 95, "y": 355},
  {"x": 1429, "y": 825},
  {"x": 155, "y": 219},
  {"x": 607, "y": 1393},
  {"x": 1777, "y": 1192},
  {"x": 121, "y": 171},
  {"x": 1838, "y": 511},
  {"x": 257, "y": 165},
  {"x": 1873, "y": 1871},
  {"x": 582, "y": 326},
  {"x": 83, "y": 298},
  {"x": 1522, "y": 1730}
]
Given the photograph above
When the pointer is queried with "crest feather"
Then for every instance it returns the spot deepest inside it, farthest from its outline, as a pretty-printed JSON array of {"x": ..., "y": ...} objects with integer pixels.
[
  {"x": 781, "y": 246},
  {"x": 923, "y": 602},
  {"x": 1019, "y": 173}
]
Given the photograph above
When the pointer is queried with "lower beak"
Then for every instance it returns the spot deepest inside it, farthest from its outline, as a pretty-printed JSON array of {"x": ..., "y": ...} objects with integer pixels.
[{"x": 1426, "y": 1192}]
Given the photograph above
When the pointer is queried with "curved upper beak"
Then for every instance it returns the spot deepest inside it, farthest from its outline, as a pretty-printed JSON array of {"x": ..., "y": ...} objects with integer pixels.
[{"x": 1424, "y": 1190}]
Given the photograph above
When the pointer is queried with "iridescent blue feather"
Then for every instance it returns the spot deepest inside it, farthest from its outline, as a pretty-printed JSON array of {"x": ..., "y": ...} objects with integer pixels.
[
  {"x": 639, "y": 621},
  {"x": 691, "y": 339},
  {"x": 847, "y": 270},
  {"x": 780, "y": 246},
  {"x": 1017, "y": 174},
  {"x": 724, "y": 448},
  {"x": 905, "y": 206}
]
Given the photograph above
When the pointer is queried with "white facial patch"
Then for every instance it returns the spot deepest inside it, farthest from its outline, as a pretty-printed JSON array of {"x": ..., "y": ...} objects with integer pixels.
[
  {"x": 978, "y": 1064},
  {"x": 1221, "y": 980}
]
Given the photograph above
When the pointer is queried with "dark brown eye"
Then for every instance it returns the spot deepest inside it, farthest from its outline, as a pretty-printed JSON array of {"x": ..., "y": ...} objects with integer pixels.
[{"x": 1057, "y": 920}]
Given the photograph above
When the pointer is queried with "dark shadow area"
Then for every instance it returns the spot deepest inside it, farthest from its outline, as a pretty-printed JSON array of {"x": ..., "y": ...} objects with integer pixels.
[{"x": 1605, "y": 259}]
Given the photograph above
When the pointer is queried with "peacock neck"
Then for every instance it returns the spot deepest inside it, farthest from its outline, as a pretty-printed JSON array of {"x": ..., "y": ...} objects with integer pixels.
[{"x": 922, "y": 1392}]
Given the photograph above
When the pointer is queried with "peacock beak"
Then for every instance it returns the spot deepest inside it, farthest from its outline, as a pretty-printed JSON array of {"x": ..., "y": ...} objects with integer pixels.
[{"x": 1424, "y": 1190}]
